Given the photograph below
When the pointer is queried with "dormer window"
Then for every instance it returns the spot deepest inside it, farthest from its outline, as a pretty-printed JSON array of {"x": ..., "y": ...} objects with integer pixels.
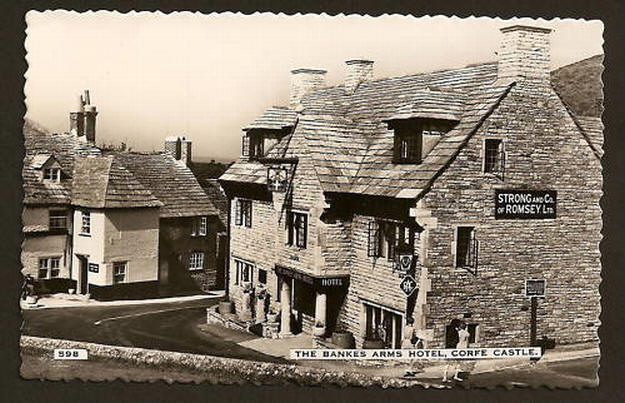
[
  {"x": 52, "y": 174},
  {"x": 257, "y": 142},
  {"x": 415, "y": 138}
]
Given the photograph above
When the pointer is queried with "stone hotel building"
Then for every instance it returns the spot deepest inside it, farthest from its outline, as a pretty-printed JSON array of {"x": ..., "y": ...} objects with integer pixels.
[{"x": 470, "y": 193}]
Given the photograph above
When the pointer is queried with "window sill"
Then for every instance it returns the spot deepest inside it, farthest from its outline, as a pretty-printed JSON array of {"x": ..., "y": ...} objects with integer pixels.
[
  {"x": 196, "y": 269},
  {"x": 295, "y": 248},
  {"x": 85, "y": 235}
]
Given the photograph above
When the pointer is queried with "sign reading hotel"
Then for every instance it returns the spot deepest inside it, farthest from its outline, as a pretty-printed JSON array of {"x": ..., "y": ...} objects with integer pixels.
[{"x": 525, "y": 204}]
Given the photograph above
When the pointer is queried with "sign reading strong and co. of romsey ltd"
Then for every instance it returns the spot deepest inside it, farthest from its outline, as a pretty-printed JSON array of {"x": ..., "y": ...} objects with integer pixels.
[{"x": 525, "y": 204}]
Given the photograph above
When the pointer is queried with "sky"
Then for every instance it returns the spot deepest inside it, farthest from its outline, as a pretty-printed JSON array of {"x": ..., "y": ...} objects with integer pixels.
[{"x": 153, "y": 75}]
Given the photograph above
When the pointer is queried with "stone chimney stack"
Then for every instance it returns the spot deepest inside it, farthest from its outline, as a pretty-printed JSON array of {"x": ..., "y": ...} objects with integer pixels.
[
  {"x": 358, "y": 71},
  {"x": 524, "y": 53},
  {"x": 304, "y": 81},
  {"x": 179, "y": 148},
  {"x": 82, "y": 121}
]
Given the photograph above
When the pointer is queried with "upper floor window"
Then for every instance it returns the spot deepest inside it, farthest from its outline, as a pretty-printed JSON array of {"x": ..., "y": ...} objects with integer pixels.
[
  {"x": 466, "y": 248},
  {"x": 85, "y": 227},
  {"x": 297, "y": 228},
  {"x": 494, "y": 156},
  {"x": 52, "y": 174},
  {"x": 120, "y": 270},
  {"x": 243, "y": 212},
  {"x": 49, "y": 267},
  {"x": 386, "y": 237},
  {"x": 245, "y": 145},
  {"x": 58, "y": 219},
  {"x": 256, "y": 143},
  {"x": 200, "y": 226},
  {"x": 196, "y": 261}
]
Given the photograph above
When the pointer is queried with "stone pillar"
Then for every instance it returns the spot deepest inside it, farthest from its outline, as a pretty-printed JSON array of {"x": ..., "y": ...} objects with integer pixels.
[
  {"x": 321, "y": 308},
  {"x": 285, "y": 308}
]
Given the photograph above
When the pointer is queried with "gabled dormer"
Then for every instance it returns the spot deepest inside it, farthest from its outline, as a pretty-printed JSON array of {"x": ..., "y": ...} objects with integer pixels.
[
  {"x": 420, "y": 123},
  {"x": 266, "y": 131},
  {"x": 48, "y": 167}
]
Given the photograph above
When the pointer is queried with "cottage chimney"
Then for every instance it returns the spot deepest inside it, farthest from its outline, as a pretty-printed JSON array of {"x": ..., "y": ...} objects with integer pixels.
[
  {"x": 304, "y": 81},
  {"x": 524, "y": 53},
  {"x": 82, "y": 120},
  {"x": 179, "y": 148},
  {"x": 358, "y": 71}
]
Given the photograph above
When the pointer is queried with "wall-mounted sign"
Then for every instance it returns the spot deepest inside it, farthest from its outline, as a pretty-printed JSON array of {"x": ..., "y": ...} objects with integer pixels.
[
  {"x": 335, "y": 281},
  {"x": 277, "y": 178},
  {"x": 525, "y": 204},
  {"x": 404, "y": 262},
  {"x": 94, "y": 267},
  {"x": 535, "y": 287},
  {"x": 408, "y": 285}
]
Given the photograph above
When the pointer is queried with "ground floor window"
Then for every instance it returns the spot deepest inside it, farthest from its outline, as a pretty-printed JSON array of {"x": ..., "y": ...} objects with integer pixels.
[
  {"x": 384, "y": 324},
  {"x": 49, "y": 267},
  {"x": 119, "y": 272},
  {"x": 196, "y": 261},
  {"x": 244, "y": 272}
]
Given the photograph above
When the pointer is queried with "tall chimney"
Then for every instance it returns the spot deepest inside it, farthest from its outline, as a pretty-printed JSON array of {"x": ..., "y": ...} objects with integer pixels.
[
  {"x": 90, "y": 115},
  {"x": 304, "y": 81},
  {"x": 179, "y": 148},
  {"x": 82, "y": 121},
  {"x": 358, "y": 71},
  {"x": 524, "y": 53}
]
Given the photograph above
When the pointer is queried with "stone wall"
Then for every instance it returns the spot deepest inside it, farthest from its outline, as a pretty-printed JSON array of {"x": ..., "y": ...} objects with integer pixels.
[{"x": 545, "y": 151}]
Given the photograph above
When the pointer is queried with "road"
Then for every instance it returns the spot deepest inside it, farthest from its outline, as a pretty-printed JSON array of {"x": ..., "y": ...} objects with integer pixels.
[{"x": 169, "y": 326}]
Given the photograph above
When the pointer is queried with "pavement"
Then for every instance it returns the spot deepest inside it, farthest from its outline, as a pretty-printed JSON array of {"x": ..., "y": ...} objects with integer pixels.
[
  {"x": 279, "y": 347},
  {"x": 62, "y": 300}
]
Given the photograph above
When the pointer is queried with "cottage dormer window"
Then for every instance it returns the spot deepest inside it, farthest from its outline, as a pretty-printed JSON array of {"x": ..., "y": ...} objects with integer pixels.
[{"x": 52, "y": 174}]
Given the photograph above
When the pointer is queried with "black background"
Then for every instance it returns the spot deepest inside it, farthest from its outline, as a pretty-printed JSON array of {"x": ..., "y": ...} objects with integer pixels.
[{"x": 611, "y": 332}]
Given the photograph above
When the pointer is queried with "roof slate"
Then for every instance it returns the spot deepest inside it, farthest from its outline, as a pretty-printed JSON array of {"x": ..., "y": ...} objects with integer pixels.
[
  {"x": 102, "y": 182},
  {"x": 274, "y": 118},
  {"x": 171, "y": 181},
  {"x": 63, "y": 148}
]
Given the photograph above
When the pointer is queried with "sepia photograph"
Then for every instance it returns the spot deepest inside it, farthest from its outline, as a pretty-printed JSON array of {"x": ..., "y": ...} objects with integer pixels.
[{"x": 270, "y": 199}]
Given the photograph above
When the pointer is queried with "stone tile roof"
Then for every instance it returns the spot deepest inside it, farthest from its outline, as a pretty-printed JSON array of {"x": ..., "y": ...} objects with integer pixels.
[
  {"x": 63, "y": 148},
  {"x": 593, "y": 127},
  {"x": 276, "y": 117},
  {"x": 348, "y": 141},
  {"x": 171, "y": 181},
  {"x": 103, "y": 182},
  {"x": 433, "y": 104}
]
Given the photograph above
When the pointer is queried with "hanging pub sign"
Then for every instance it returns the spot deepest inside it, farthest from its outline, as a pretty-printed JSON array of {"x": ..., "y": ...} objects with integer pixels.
[
  {"x": 277, "y": 178},
  {"x": 525, "y": 204},
  {"x": 535, "y": 287}
]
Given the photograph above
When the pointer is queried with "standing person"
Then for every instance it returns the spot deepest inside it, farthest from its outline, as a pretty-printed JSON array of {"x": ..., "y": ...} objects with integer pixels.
[
  {"x": 28, "y": 288},
  {"x": 410, "y": 334},
  {"x": 462, "y": 341}
]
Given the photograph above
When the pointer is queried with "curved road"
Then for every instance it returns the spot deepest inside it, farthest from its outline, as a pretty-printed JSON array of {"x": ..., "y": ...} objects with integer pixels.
[{"x": 172, "y": 326}]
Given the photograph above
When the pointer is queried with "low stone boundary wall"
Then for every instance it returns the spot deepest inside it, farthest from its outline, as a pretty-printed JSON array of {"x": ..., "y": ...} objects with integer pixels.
[{"x": 224, "y": 370}]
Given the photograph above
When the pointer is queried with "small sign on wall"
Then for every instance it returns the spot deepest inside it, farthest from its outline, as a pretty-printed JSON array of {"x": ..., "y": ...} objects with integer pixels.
[
  {"x": 535, "y": 287},
  {"x": 94, "y": 267},
  {"x": 525, "y": 204}
]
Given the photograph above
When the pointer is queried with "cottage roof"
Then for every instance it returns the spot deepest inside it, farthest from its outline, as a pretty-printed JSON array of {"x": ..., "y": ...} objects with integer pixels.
[
  {"x": 63, "y": 148},
  {"x": 103, "y": 182},
  {"x": 431, "y": 104},
  {"x": 171, "y": 181}
]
